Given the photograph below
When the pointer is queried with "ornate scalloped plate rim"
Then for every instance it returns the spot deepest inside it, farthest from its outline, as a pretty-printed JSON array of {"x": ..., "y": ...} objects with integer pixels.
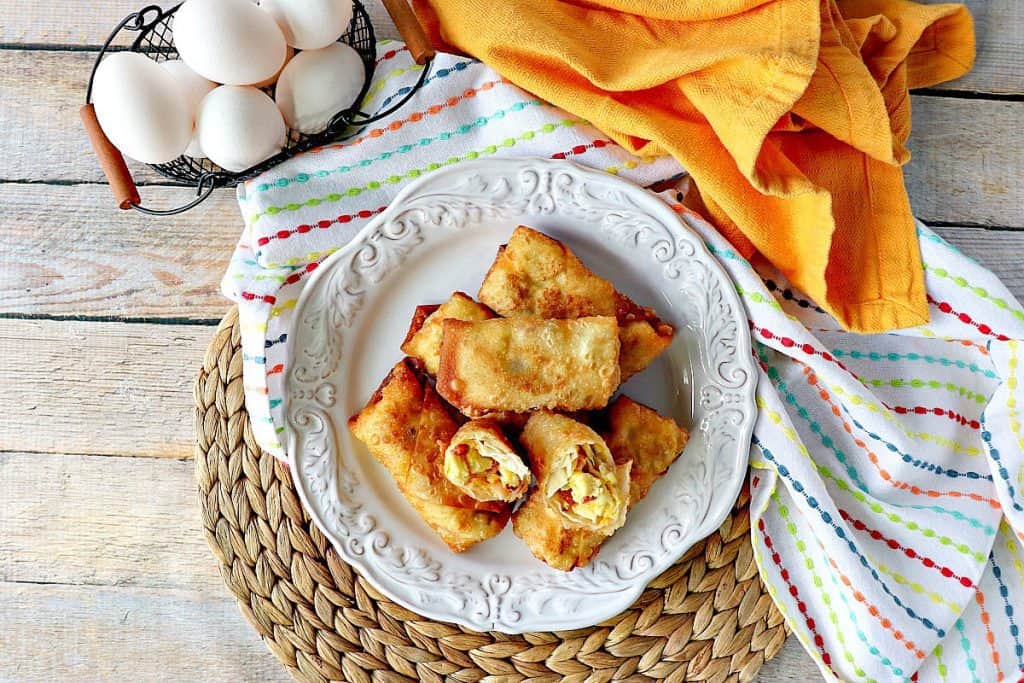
[{"x": 719, "y": 503}]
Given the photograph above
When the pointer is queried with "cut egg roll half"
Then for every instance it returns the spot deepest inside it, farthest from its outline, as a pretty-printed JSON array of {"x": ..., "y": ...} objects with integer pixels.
[
  {"x": 481, "y": 461},
  {"x": 638, "y": 437},
  {"x": 577, "y": 477}
]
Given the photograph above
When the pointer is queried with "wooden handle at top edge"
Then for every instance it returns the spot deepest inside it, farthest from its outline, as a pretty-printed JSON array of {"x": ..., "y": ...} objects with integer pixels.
[
  {"x": 111, "y": 161},
  {"x": 411, "y": 29}
]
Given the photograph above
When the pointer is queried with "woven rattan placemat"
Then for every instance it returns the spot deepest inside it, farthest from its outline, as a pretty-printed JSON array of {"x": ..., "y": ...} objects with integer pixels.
[{"x": 708, "y": 618}]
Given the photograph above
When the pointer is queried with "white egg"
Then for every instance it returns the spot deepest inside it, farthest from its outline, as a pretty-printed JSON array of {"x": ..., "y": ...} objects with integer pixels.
[
  {"x": 193, "y": 89},
  {"x": 193, "y": 86},
  {"x": 229, "y": 41},
  {"x": 317, "y": 84},
  {"x": 273, "y": 79},
  {"x": 239, "y": 127},
  {"x": 310, "y": 24},
  {"x": 140, "y": 108},
  {"x": 194, "y": 149}
]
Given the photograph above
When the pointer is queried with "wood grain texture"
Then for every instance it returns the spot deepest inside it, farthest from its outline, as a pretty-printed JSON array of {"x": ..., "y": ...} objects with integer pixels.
[
  {"x": 999, "y": 66},
  {"x": 791, "y": 664},
  {"x": 96, "y": 260},
  {"x": 43, "y": 135},
  {"x": 998, "y": 24},
  {"x": 104, "y": 574},
  {"x": 105, "y": 521},
  {"x": 967, "y": 162},
  {"x": 106, "y": 388},
  {"x": 91, "y": 633},
  {"x": 45, "y": 143},
  {"x": 997, "y": 250},
  {"x": 117, "y": 634}
]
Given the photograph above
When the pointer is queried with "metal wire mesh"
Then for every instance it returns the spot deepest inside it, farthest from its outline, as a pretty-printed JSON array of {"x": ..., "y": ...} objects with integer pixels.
[{"x": 155, "y": 41}]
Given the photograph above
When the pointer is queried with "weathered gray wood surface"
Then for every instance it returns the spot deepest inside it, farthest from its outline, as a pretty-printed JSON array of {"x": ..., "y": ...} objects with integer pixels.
[{"x": 104, "y": 316}]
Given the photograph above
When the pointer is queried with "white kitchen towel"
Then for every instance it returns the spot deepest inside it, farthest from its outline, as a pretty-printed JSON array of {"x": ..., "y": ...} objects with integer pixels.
[
  {"x": 885, "y": 469},
  {"x": 886, "y": 474}
]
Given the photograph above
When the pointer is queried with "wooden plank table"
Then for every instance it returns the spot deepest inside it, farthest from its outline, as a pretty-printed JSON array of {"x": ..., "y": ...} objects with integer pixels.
[{"x": 104, "y": 316}]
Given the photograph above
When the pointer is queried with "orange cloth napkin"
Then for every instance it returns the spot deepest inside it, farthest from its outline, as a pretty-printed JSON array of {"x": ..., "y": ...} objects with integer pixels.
[{"x": 791, "y": 115}]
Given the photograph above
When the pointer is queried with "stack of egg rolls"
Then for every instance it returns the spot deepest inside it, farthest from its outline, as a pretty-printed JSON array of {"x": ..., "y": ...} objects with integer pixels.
[{"x": 494, "y": 407}]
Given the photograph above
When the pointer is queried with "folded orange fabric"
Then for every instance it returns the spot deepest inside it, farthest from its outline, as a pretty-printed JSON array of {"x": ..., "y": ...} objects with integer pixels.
[{"x": 791, "y": 115}]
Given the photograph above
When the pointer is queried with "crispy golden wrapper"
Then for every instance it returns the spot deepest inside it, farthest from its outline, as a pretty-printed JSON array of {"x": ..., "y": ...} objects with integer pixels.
[
  {"x": 482, "y": 462},
  {"x": 536, "y": 275},
  {"x": 638, "y": 438},
  {"x": 423, "y": 340},
  {"x": 406, "y": 427},
  {"x": 576, "y": 472},
  {"x": 650, "y": 441},
  {"x": 523, "y": 364},
  {"x": 550, "y": 534},
  {"x": 642, "y": 334},
  {"x": 511, "y": 422},
  {"x": 549, "y": 539}
]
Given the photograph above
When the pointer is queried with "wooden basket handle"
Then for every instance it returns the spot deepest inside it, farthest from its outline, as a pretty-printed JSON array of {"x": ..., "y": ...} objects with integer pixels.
[
  {"x": 411, "y": 29},
  {"x": 114, "y": 168}
]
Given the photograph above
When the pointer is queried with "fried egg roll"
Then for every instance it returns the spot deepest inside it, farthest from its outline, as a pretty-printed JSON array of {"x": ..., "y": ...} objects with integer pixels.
[
  {"x": 650, "y": 441},
  {"x": 511, "y": 422},
  {"x": 642, "y": 334},
  {"x": 407, "y": 427},
  {"x": 522, "y": 364},
  {"x": 637, "y": 436},
  {"x": 576, "y": 473},
  {"x": 481, "y": 461},
  {"x": 423, "y": 340},
  {"x": 535, "y": 275},
  {"x": 548, "y": 537}
]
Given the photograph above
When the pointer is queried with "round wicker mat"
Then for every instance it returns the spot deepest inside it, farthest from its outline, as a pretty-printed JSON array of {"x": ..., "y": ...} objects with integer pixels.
[{"x": 708, "y": 618}]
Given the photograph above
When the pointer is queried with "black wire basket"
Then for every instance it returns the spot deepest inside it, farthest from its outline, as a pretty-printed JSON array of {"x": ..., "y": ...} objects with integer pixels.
[{"x": 154, "y": 26}]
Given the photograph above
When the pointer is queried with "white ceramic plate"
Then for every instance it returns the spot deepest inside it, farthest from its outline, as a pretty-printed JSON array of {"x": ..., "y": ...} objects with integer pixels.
[{"x": 439, "y": 235}]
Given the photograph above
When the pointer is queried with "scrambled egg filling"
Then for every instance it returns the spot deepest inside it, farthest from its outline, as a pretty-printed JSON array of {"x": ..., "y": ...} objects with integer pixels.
[
  {"x": 479, "y": 458},
  {"x": 579, "y": 489}
]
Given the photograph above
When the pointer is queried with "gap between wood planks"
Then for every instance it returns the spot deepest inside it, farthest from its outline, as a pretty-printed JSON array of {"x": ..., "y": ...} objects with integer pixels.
[
  {"x": 99, "y": 264},
  {"x": 44, "y": 142}
]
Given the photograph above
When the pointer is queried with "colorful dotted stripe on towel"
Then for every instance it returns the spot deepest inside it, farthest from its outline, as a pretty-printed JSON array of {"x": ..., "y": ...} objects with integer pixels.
[
  {"x": 371, "y": 185},
  {"x": 822, "y": 594},
  {"x": 840, "y": 533},
  {"x": 843, "y": 458},
  {"x": 398, "y": 124},
  {"x": 967, "y": 319},
  {"x": 818, "y": 641},
  {"x": 979, "y": 292},
  {"x": 406, "y": 148}
]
